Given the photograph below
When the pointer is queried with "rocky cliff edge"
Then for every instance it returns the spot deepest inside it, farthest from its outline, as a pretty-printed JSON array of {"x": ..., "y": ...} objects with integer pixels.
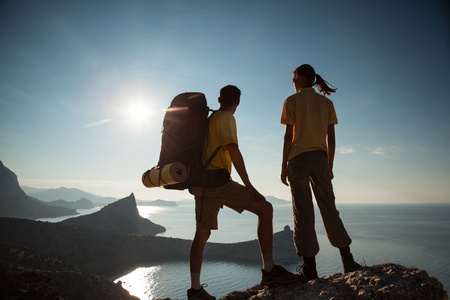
[{"x": 379, "y": 282}]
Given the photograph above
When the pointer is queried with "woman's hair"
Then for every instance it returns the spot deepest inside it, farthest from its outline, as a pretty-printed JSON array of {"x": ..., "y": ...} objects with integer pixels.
[
  {"x": 229, "y": 95},
  {"x": 314, "y": 79}
]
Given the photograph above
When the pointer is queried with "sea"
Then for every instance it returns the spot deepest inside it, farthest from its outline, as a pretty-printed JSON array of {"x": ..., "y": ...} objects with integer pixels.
[{"x": 412, "y": 235}]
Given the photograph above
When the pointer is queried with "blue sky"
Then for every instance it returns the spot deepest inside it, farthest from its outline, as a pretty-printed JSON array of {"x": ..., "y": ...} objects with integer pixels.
[{"x": 84, "y": 85}]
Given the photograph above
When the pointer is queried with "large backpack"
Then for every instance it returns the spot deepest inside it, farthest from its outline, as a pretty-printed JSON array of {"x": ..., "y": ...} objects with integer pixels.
[{"x": 183, "y": 136}]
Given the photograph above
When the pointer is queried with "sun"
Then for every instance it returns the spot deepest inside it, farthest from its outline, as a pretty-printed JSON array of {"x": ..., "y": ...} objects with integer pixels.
[{"x": 138, "y": 112}]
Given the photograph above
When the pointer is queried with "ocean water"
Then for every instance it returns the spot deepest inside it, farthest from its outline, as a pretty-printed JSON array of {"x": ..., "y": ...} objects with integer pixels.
[{"x": 411, "y": 235}]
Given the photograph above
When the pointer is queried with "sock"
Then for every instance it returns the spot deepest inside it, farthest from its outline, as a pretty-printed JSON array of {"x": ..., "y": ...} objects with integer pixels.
[
  {"x": 268, "y": 262},
  {"x": 345, "y": 252},
  {"x": 195, "y": 281}
]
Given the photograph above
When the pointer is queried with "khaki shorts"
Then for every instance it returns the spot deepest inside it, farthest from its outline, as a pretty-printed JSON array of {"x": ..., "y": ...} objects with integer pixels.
[{"x": 232, "y": 195}]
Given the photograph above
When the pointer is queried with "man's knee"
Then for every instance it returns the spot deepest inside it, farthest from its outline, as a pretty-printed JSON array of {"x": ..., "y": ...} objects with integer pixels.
[
  {"x": 202, "y": 234},
  {"x": 266, "y": 210},
  {"x": 262, "y": 210}
]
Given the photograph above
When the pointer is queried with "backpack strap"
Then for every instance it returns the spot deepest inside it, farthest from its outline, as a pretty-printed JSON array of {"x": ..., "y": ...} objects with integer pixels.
[
  {"x": 211, "y": 157},
  {"x": 205, "y": 166},
  {"x": 203, "y": 185},
  {"x": 207, "y": 138}
]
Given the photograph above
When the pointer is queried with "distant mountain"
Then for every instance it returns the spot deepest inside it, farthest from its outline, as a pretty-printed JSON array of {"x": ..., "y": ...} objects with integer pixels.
[
  {"x": 156, "y": 203},
  {"x": 271, "y": 199},
  {"x": 277, "y": 201},
  {"x": 121, "y": 216},
  {"x": 29, "y": 190},
  {"x": 15, "y": 203},
  {"x": 83, "y": 203},
  {"x": 68, "y": 194}
]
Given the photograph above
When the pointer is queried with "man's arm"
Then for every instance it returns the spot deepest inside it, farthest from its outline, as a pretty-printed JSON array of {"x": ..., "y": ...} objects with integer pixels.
[
  {"x": 331, "y": 143},
  {"x": 287, "y": 144},
  {"x": 239, "y": 165}
]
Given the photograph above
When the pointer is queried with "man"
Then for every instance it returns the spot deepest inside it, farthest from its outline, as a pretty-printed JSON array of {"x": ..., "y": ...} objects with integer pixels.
[
  {"x": 218, "y": 189},
  {"x": 308, "y": 155}
]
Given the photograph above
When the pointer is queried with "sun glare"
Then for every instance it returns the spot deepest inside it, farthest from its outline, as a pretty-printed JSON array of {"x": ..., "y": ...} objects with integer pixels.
[{"x": 138, "y": 112}]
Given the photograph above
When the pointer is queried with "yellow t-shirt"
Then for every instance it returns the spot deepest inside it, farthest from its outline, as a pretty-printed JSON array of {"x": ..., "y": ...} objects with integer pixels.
[
  {"x": 310, "y": 113},
  {"x": 222, "y": 131}
]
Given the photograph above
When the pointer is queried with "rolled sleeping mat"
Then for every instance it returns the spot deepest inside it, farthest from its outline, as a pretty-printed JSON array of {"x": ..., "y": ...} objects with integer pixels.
[{"x": 169, "y": 174}]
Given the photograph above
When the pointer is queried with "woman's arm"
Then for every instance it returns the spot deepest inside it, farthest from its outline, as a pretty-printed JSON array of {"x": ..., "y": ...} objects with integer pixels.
[
  {"x": 287, "y": 144},
  {"x": 331, "y": 143}
]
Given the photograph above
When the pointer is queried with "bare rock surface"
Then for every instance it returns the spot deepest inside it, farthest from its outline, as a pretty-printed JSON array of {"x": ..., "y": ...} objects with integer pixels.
[{"x": 383, "y": 282}]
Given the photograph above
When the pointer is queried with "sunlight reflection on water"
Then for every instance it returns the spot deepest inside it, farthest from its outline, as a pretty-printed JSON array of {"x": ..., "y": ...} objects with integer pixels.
[
  {"x": 172, "y": 279},
  {"x": 142, "y": 282},
  {"x": 147, "y": 211}
]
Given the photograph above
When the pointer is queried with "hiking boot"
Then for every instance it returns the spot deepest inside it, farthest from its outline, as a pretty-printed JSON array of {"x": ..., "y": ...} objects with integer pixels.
[
  {"x": 349, "y": 264},
  {"x": 307, "y": 273},
  {"x": 279, "y": 276},
  {"x": 200, "y": 294}
]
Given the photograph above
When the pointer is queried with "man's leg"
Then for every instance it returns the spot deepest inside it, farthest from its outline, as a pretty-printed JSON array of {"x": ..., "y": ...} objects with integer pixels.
[
  {"x": 206, "y": 211},
  {"x": 196, "y": 255},
  {"x": 264, "y": 211},
  {"x": 272, "y": 274}
]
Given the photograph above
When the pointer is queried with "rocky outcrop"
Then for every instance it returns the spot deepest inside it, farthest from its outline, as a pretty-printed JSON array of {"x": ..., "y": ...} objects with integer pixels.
[
  {"x": 379, "y": 282},
  {"x": 121, "y": 216},
  {"x": 16, "y": 204}
]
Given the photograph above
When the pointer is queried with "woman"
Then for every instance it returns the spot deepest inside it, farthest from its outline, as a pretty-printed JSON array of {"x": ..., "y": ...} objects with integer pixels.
[{"x": 308, "y": 155}]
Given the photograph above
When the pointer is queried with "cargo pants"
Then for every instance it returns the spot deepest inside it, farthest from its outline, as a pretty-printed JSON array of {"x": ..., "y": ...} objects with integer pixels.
[{"x": 312, "y": 168}]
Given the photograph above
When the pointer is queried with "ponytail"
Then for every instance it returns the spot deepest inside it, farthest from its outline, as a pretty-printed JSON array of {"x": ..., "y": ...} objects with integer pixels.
[
  {"x": 323, "y": 86},
  {"x": 308, "y": 72}
]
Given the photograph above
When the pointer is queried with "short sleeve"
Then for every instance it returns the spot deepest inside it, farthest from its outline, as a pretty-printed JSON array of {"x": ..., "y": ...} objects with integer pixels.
[
  {"x": 287, "y": 115},
  {"x": 332, "y": 118},
  {"x": 228, "y": 133}
]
